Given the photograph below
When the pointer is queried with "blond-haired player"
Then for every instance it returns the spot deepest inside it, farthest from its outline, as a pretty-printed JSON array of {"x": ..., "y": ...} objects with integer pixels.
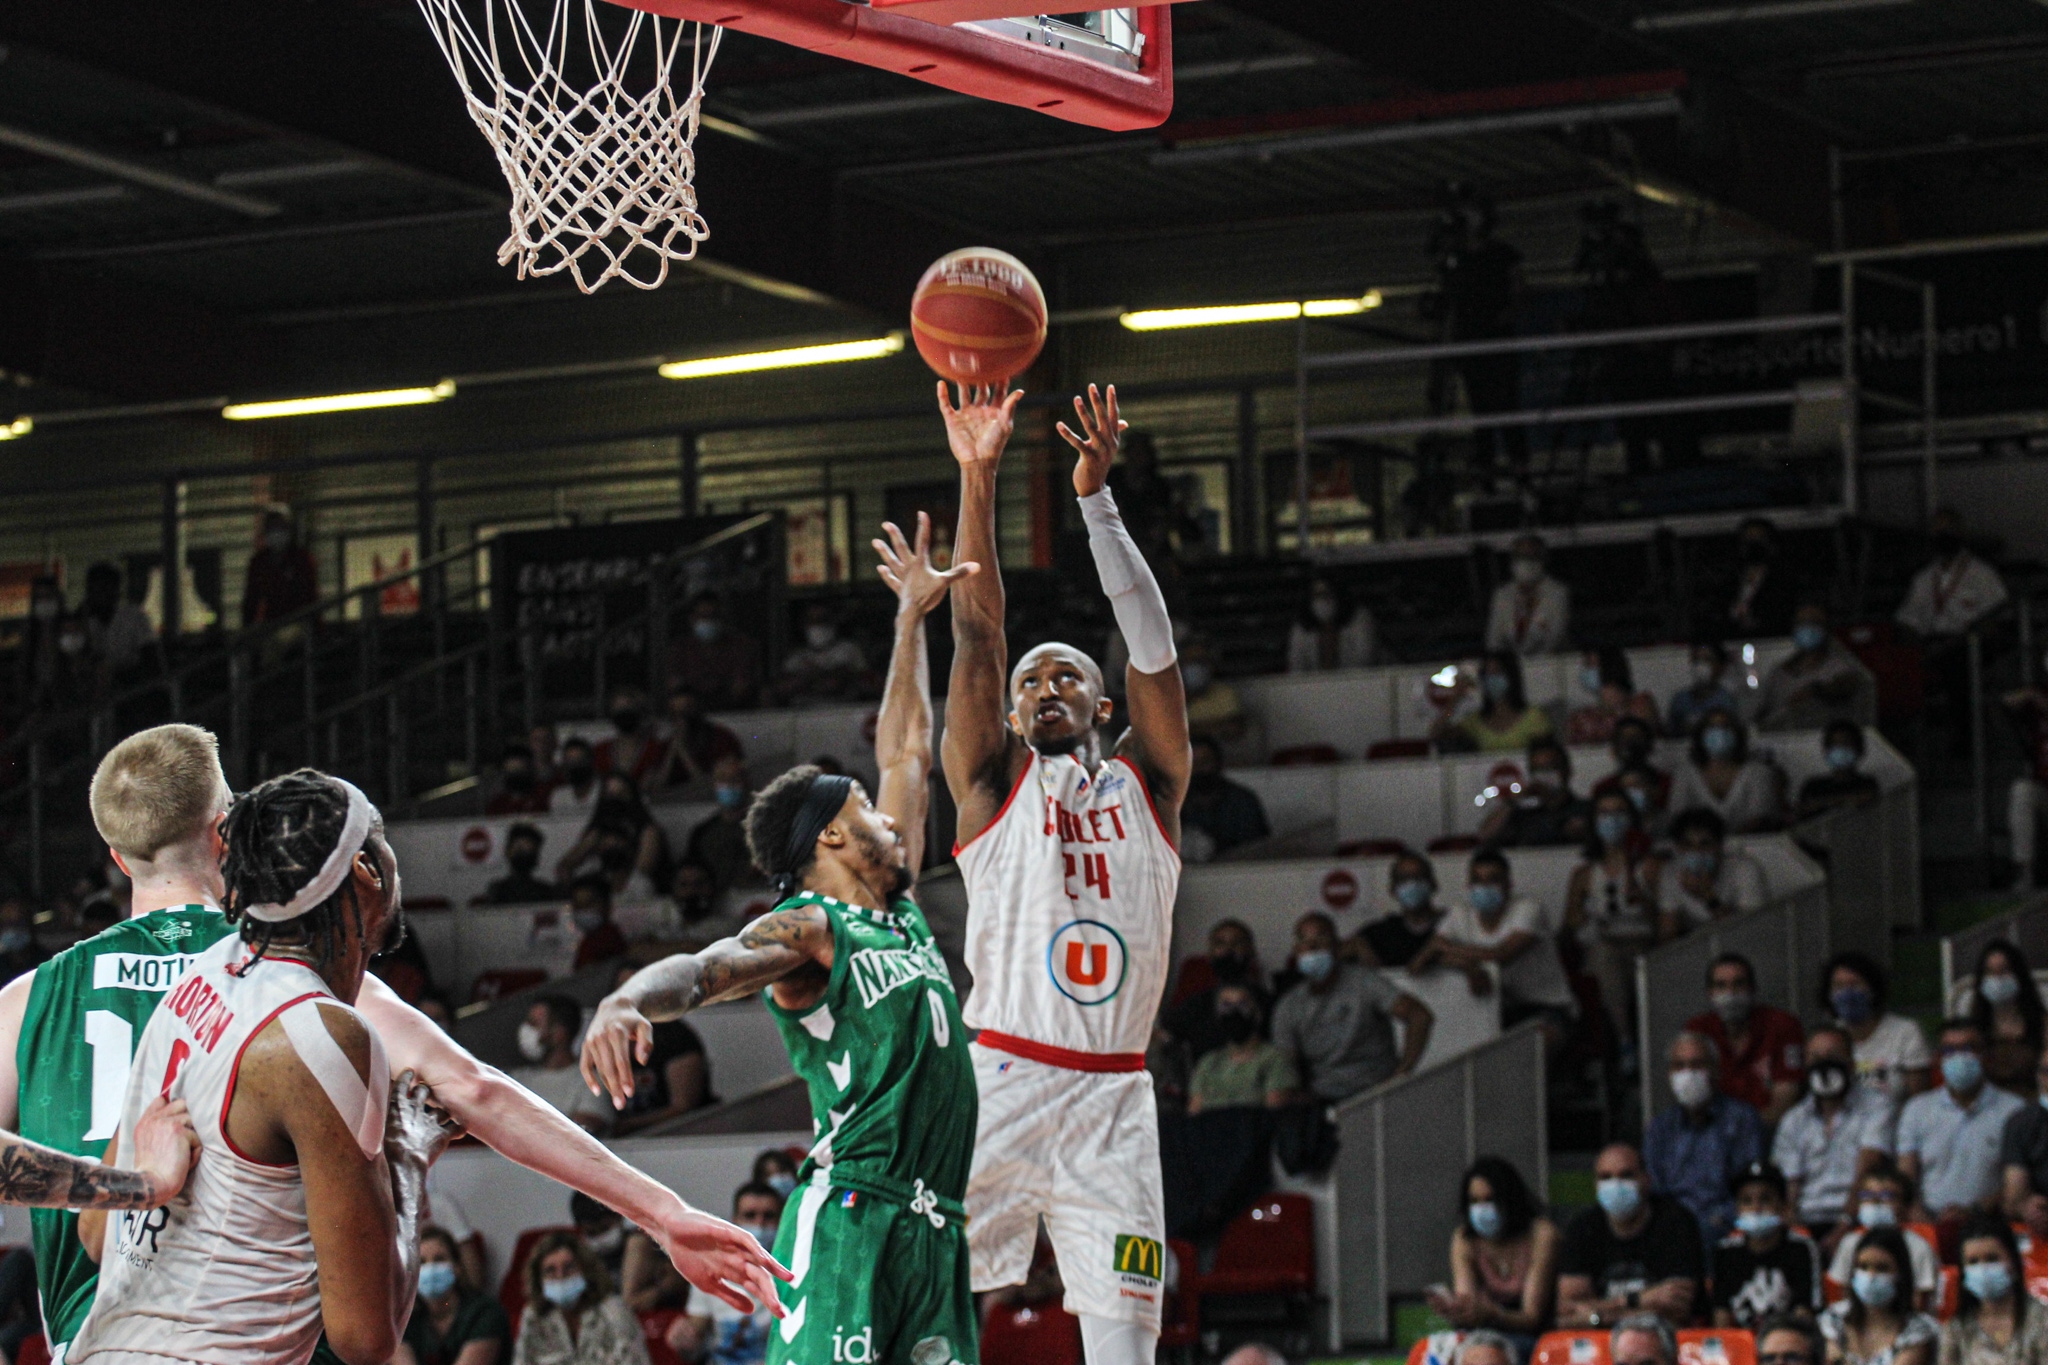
[{"x": 68, "y": 1034}]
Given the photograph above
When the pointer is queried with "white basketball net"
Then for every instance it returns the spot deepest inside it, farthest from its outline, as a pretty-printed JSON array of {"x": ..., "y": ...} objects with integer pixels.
[{"x": 599, "y": 175}]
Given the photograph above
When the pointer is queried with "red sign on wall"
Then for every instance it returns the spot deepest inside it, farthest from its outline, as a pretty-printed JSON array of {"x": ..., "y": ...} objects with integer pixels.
[
  {"x": 1340, "y": 889},
  {"x": 476, "y": 844}
]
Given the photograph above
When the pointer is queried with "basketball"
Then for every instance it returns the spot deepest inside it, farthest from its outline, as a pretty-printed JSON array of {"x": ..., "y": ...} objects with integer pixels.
[{"x": 978, "y": 316}]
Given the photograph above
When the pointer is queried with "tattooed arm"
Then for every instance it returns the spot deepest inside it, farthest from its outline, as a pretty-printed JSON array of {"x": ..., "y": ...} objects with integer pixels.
[
  {"x": 790, "y": 950},
  {"x": 42, "y": 1178}
]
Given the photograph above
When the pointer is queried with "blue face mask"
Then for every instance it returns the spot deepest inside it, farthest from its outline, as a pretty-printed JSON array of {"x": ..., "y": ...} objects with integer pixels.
[
  {"x": 2001, "y": 988},
  {"x": 1486, "y": 1219},
  {"x": 1988, "y": 1280},
  {"x": 1718, "y": 741},
  {"x": 436, "y": 1278},
  {"x": 1639, "y": 798},
  {"x": 1317, "y": 964},
  {"x": 730, "y": 797},
  {"x": 562, "y": 1293},
  {"x": 1875, "y": 1287},
  {"x": 1758, "y": 1224},
  {"x": 1589, "y": 678},
  {"x": 764, "y": 1235},
  {"x": 1619, "y": 1198},
  {"x": 1853, "y": 1004},
  {"x": 1701, "y": 862},
  {"x": 1962, "y": 1071},
  {"x": 782, "y": 1182},
  {"x": 1487, "y": 898},
  {"x": 1413, "y": 894},
  {"x": 1809, "y": 637},
  {"x": 15, "y": 940},
  {"x": 1842, "y": 758},
  {"x": 1612, "y": 826},
  {"x": 1495, "y": 685}
]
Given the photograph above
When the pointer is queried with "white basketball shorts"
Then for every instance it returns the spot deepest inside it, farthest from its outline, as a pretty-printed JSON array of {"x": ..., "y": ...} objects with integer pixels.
[{"x": 1082, "y": 1149}]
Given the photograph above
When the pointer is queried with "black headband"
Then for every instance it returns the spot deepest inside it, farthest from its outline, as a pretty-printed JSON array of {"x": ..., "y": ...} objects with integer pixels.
[{"x": 822, "y": 804}]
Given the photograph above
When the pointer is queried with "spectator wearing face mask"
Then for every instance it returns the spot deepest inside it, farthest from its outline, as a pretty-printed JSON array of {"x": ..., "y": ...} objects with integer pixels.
[
  {"x": 1502, "y": 722},
  {"x": 1606, "y": 675},
  {"x": 1819, "y": 682},
  {"x": 1215, "y": 711},
  {"x": 696, "y": 744},
  {"x": 1233, "y": 961},
  {"x": 719, "y": 842},
  {"x": 573, "y": 1315},
  {"x": 1636, "y": 1251},
  {"x": 1997, "y": 1320},
  {"x": 1493, "y": 926},
  {"x": 519, "y": 792},
  {"x": 1762, "y": 1048},
  {"x": 519, "y": 886},
  {"x": 1708, "y": 690},
  {"x": 453, "y": 1321},
  {"x": 1949, "y": 1137},
  {"x": 1634, "y": 745},
  {"x": 1892, "y": 1056},
  {"x": 826, "y": 667},
  {"x": 1841, "y": 746},
  {"x": 1704, "y": 880},
  {"x": 1336, "y": 1024},
  {"x": 630, "y": 848},
  {"x": 1394, "y": 940},
  {"x": 1882, "y": 1201},
  {"x": 1503, "y": 1258},
  {"x": 1696, "y": 1148},
  {"x": 717, "y": 661},
  {"x": 1875, "y": 1322},
  {"x": 1837, "y": 1132},
  {"x": 547, "y": 1043},
  {"x": 1648, "y": 789},
  {"x": 1763, "y": 593},
  {"x": 1609, "y": 903},
  {"x": 1746, "y": 791},
  {"x": 1766, "y": 1267},
  {"x": 282, "y": 577},
  {"x": 1246, "y": 1072},
  {"x": 1217, "y": 815},
  {"x": 590, "y": 906},
  {"x": 712, "y": 1330},
  {"x": 691, "y": 915},
  {"x": 1545, "y": 812},
  {"x": 1955, "y": 590},
  {"x": 1333, "y": 631},
  {"x": 776, "y": 1169},
  {"x": 578, "y": 790},
  {"x": 602, "y": 1229},
  {"x": 1531, "y": 613},
  {"x": 2005, "y": 1005},
  {"x": 633, "y": 748}
]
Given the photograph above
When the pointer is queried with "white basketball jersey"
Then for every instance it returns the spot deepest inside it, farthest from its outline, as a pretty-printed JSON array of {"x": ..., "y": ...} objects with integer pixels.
[
  {"x": 224, "y": 1274},
  {"x": 1070, "y": 909}
]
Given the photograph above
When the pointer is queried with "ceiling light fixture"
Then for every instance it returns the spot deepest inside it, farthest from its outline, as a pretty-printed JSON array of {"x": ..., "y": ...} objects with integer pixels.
[
  {"x": 339, "y": 402},
  {"x": 1162, "y": 319},
  {"x": 1751, "y": 14},
  {"x": 20, "y": 426},
  {"x": 830, "y": 354}
]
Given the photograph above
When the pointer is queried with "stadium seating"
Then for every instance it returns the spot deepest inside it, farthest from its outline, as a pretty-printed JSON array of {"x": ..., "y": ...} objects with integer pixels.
[
  {"x": 1268, "y": 1249},
  {"x": 1031, "y": 1334},
  {"x": 1716, "y": 1346},
  {"x": 1571, "y": 1348}
]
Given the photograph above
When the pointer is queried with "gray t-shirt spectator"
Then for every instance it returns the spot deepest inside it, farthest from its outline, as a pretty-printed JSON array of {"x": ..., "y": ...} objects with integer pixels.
[
  {"x": 1343, "y": 1038},
  {"x": 1957, "y": 1144},
  {"x": 1823, "y": 1157}
]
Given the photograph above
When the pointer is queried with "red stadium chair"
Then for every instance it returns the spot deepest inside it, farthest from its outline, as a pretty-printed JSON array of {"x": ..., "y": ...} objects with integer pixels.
[
  {"x": 1454, "y": 843},
  {"x": 654, "y": 1326},
  {"x": 1435, "y": 1349},
  {"x": 499, "y": 982},
  {"x": 1180, "y": 1326},
  {"x": 512, "y": 1289},
  {"x": 1397, "y": 748},
  {"x": 1306, "y": 756},
  {"x": 1372, "y": 848},
  {"x": 1716, "y": 1346},
  {"x": 1196, "y": 976},
  {"x": 1950, "y": 1293},
  {"x": 1929, "y": 1233},
  {"x": 2034, "y": 1257},
  {"x": 1571, "y": 1348},
  {"x": 33, "y": 1351},
  {"x": 1031, "y": 1334},
  {"x": 1270, "y": 1248}
]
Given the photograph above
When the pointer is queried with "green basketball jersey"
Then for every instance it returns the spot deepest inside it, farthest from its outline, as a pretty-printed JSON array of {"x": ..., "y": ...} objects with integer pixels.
[
  {"x": 85, "y": 1010},
  {"x": 885, "y": 1054}
]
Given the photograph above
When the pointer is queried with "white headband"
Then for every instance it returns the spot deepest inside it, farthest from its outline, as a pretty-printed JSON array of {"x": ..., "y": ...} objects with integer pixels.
[{"x": 354, "y": 829}]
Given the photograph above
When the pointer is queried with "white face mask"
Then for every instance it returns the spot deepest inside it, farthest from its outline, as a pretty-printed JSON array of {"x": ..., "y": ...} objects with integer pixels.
[
  {"x": 531, "y": 1045},
  {"x": 1324, "y": 609},
  {"x": 819, "y": 636},
  {"x": 1526, "y": 571},
  {"x": 1691, "y": 1087}
]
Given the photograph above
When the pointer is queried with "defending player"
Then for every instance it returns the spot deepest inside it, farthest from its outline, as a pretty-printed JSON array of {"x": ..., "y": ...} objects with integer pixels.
[
  {"x": 1071, "y": 864},
  {"x": 68, "y": 1031},
  {"x": 303, "y": 1210},
  {"x": 867, "y": 1011}
]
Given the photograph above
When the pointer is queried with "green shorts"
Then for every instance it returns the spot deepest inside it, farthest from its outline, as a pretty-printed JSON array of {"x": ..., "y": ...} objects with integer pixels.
[{"x": 877, "y": 1281}]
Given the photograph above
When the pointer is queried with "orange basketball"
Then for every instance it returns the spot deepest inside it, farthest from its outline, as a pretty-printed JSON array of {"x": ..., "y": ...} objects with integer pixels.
[{"x": 978, "y": 316}]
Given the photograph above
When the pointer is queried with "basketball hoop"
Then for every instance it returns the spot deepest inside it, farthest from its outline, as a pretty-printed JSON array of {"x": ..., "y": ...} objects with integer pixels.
[{"x": 600, "y": 167}]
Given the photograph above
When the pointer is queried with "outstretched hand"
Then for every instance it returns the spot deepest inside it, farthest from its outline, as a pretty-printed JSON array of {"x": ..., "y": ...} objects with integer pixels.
[
  {"x": 716, "y": 1256},
  {"x": 619, "y": 1038},
  {"x": 979, "y": 426},
  {"x": 1104, "y": 430},
  {"x": 908, "y": 570}
]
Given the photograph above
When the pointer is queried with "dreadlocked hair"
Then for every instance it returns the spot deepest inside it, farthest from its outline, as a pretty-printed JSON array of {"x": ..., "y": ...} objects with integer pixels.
[{"x": 278, "y": 836}]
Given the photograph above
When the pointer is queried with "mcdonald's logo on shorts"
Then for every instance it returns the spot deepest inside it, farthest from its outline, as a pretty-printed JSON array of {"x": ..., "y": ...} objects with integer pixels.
[{"x": 1139, "y": 1258}]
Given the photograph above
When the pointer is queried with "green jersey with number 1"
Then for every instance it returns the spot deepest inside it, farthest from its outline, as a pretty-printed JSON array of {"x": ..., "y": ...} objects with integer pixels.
[{"x": 85, "y": 1010}]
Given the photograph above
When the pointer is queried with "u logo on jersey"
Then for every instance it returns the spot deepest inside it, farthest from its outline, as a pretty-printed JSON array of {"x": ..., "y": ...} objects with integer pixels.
[{"x": 1087, "y": 961}]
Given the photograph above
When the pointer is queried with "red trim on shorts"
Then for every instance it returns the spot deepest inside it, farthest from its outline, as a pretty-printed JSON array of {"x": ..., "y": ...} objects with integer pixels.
[
  {"x": 1060, "y": 1056},
  {"x": 1002, "y": 810},
  {"x": 1146, "y": 788},
  {"x": 235, "y": 1073}
]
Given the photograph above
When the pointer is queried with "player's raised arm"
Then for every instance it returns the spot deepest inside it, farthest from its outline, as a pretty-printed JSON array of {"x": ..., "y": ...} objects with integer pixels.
[
  {"x": 903, "y": 732},
  {"x": 1158, "y": 738},
  {"x": 979, "y": 750}
]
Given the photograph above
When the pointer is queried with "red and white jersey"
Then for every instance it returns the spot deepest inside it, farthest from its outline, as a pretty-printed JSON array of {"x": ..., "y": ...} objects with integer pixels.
[
  {"x": 224, "y": 1274},
  {"x": 1070, "y": 910}
]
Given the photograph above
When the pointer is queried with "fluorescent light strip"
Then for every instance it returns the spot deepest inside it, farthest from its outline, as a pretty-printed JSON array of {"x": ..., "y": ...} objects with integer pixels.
[
  {"x": 829, "y": 354},
  {"x": 20, "y": 426},
  {"x": 1162, "y": 319},
  {"x": 1751, "y": 14},
  {"x": 339, "y": 402}
]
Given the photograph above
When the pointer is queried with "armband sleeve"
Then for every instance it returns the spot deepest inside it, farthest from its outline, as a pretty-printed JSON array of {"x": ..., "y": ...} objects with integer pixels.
[{"x": 1127, "y": 580}]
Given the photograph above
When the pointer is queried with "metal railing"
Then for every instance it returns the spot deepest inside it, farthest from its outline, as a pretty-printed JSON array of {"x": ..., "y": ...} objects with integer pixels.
[{"x": 1401, "y": 1148}]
